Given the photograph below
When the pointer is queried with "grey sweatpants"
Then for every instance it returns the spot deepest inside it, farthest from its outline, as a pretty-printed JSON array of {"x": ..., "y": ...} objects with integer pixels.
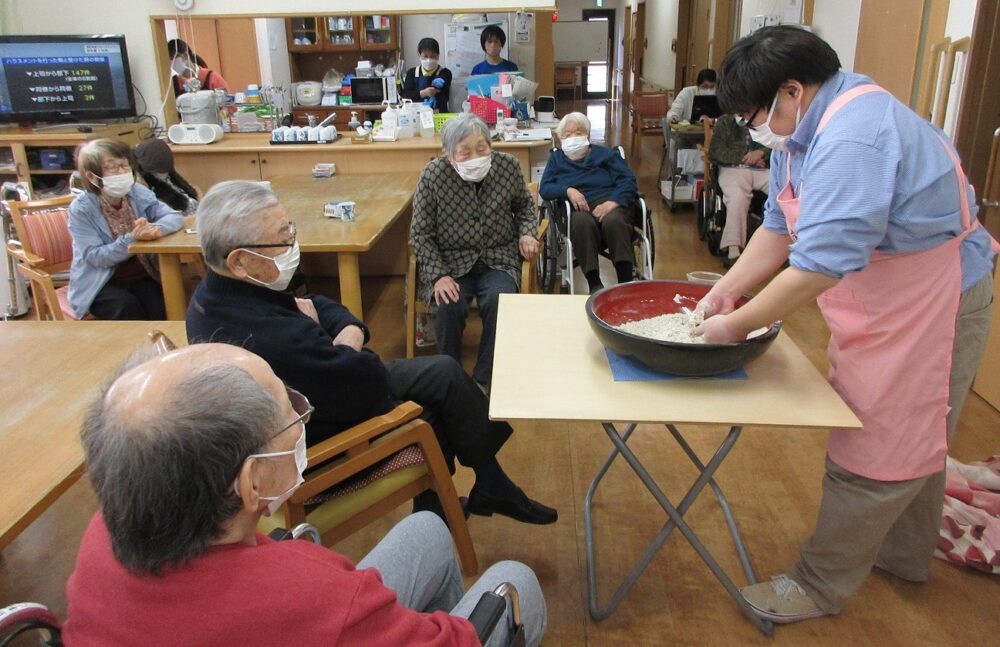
[
  {"x": 890, "y": 524},
  {"x": 417, "y": 561}
]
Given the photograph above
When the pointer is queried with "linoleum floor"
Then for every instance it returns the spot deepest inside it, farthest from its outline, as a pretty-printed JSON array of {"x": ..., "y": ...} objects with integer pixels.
[{"x": 772, "y": 479}]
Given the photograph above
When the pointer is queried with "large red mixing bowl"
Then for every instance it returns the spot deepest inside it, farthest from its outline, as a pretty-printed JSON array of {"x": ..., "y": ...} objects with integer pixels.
[{"x": 626, "y": 302}]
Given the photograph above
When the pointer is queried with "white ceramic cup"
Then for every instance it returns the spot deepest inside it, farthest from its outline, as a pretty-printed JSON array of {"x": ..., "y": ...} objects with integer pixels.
[
  {"x": 704, "y": 278},
  {"x": 314, "y": 133},
  {"x": 292, "y": 133}
]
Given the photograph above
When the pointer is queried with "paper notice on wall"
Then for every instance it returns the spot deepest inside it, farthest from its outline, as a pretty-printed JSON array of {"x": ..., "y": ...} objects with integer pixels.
[
  {"x": 791, "y": 12},
  {"x": 522, "y": 27}
]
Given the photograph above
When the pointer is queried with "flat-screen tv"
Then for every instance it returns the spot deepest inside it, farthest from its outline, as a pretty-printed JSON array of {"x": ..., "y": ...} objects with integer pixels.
[{"x": 64, "y": 78}]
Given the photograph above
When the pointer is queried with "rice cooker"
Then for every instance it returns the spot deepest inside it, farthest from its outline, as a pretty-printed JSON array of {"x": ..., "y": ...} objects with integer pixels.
[
  {"x": 198, "y": 107},
  {"x": 309, "y": 93}
]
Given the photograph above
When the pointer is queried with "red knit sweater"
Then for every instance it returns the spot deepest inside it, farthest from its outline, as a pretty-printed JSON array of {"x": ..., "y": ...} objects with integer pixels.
[{"x": 274, "y": 593}]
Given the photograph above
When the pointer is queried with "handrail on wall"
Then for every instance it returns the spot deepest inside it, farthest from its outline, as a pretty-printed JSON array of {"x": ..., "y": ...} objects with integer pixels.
[
  {"x": 933, "y": 60},
  {"x": 960, "y": 45}
]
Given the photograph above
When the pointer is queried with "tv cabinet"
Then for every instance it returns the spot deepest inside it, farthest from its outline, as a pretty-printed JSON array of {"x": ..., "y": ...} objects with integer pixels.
[{"x": 44, "y": 161}]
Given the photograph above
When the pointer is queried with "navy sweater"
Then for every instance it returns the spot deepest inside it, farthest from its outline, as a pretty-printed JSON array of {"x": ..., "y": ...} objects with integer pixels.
[
  {"x": 346, "y": 386},
  {"x": 601, "y": 175}
]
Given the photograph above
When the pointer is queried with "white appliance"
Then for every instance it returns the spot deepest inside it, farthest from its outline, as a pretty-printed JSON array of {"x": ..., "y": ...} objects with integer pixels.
[
  {"x": 309, "y": 93},
  {"x": 13, "y": 288},
  {"x": 198, "y": 107},
  {"x": 194, "y": 133}
]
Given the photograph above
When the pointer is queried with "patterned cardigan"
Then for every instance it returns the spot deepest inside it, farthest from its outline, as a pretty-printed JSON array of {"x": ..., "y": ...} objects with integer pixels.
[{"x": 457, "y": 223}]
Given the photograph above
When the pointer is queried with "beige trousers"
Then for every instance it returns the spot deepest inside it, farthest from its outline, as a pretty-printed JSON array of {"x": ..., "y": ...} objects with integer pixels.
[
  {"x": 738, "y": 185},
  {"x": 890, "y": 524}
]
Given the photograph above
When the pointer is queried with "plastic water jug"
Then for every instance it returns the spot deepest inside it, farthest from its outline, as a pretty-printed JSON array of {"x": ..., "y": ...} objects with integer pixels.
[
  {"x": 425, "y": 121},
  {"x": 407, "y": 119},
  {"x": 390, "y": 116}
]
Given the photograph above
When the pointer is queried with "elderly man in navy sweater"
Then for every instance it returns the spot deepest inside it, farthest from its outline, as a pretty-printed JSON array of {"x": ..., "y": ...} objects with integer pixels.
[
  {"x": 600, "y": 187},
  {"x": 317, "y": 347}
]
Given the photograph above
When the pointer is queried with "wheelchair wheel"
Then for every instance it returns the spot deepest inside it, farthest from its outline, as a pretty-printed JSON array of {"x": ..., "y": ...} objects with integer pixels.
[
  {"x": 703, "y": 207},
  {"x": 548, "y": 264},
  {"x": 713, "y": 233}
]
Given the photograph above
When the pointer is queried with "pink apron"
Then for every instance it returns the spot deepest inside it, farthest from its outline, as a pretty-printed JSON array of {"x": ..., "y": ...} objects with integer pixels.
[{"x": 892, "y": 329}]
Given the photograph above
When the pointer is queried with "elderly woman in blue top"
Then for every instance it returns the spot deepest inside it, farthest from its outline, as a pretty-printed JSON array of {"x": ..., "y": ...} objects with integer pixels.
[
  {"x": 601, "y": 187},
  {"x": 870, "y": 208},
  {"x": 105, "y": 279}
]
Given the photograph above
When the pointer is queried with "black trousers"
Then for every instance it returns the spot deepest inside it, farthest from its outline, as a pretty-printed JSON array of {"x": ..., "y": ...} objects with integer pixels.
[
  {"x": 589, "y": 237},
  {"x": 139, "y": 300},
  {"x": 453, "y": 404}
]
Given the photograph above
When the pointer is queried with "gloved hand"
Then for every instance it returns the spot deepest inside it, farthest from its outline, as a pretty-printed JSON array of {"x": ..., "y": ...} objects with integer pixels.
[
  {"x": 430, "y": 101},
  {"x": 438, "y": 83}
]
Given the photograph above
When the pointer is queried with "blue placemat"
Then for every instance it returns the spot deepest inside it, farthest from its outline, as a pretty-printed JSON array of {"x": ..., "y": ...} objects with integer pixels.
[{"x": 629, "y": 369}]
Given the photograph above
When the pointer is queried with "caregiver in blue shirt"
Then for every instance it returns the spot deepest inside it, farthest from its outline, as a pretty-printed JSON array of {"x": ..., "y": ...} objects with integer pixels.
[
  {"x": 869, "y": 206},
  {"x": 492, "y": 41}
]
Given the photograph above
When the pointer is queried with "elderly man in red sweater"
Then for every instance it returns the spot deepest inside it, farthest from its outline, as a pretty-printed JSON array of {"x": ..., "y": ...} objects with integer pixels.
[{"x": 185, "y": 452}]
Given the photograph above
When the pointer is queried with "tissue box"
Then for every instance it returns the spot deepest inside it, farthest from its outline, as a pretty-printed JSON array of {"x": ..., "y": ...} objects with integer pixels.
[{"x": 343, "y": 210}]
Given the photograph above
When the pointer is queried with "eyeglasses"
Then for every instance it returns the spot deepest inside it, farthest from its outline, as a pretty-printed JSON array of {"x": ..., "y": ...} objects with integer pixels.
[
  {"x": 116, "y": 168},
  {"x": 291, "y": 232},
  {"x": 301, "y": 406},
  {"x": 745, "y": 123}
]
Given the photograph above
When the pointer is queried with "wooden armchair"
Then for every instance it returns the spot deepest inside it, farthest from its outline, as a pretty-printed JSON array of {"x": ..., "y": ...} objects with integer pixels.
[
  {"x": 43, "y": 252},
  {"x": 647, "y": 110},
  {"x": 407, "y": 460}
]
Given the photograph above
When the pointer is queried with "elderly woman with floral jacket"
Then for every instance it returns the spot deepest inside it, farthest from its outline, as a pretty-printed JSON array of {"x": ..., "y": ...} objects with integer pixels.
[{"x": 473, "y": 222}]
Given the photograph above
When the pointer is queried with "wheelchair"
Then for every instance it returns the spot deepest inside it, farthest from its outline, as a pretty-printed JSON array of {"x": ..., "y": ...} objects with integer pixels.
[
  {"x": 712, "y": 211},
  {"x": 23, "y": 617},
  {"x": 557, "y": 259}
]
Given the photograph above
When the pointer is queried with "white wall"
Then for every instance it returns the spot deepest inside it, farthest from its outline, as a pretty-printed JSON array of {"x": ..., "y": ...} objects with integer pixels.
[
  {"x": 763, "y": 7},
  {"x": 837, "y": 22},
  {"x": 961, "y": 16}
]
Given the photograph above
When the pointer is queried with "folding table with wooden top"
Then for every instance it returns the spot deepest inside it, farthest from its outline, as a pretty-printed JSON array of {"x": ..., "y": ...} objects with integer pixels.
[{"x": 550, "y": 333}]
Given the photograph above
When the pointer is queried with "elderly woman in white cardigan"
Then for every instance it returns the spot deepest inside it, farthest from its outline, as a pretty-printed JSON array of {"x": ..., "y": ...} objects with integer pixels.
[{"x": 473, "y": 222}]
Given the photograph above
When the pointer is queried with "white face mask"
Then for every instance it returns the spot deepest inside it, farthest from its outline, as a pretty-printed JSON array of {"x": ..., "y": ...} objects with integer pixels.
[
  {"x": 475, "y": 169},
  {"x": 117, "y": 186},
  {"x": 763, "y": 134},
  {"x": 180, "y": 67},
  {"x": 575, "y": 147},
  {"x": 286, "y": 262},
  {"x": 706, "y": 93},
  {"x": 301, "y": 462},
  {"x": 429, "y": 64}
]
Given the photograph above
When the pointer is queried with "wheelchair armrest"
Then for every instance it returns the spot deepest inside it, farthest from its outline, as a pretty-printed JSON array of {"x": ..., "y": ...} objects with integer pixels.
[
  {"x": 303, "y": 529},
  {"x": 25, "y": 616},
  {"x": 492, "y": 607}
]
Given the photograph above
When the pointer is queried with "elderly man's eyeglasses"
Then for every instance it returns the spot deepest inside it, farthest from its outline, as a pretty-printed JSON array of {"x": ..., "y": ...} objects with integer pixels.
[
  {"x": 301, "y": 406},
  {"x": 745, "y": 122},
  {"x": 291, "y": 234}
]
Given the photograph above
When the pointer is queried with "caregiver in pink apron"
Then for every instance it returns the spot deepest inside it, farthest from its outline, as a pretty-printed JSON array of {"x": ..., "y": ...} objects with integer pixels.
[{"x": 870, "y": 208}]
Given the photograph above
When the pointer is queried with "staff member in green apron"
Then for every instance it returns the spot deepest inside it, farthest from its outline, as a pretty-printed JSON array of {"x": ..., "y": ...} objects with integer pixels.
[{"x": 869, "y": 205}]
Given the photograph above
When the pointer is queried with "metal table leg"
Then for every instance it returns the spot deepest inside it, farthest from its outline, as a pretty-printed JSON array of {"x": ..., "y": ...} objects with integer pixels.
[{"x": 675, "y": 520}]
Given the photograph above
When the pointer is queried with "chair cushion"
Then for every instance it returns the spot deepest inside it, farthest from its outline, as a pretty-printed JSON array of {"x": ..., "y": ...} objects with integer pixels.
[
  {"x": 63, "y": 295},
  {"x": 406, "y": 457},
  {"x": 48, "y": 235}
]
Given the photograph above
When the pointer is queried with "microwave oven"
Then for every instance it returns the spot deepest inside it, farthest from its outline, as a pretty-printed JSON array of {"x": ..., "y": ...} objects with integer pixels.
[{"x": 374, "y": 90}]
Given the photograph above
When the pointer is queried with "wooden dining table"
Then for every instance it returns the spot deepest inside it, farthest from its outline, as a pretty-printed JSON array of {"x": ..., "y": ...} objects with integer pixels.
[
  {"x": 381, "y": 200},
  {"x": 54, "y": 368}
]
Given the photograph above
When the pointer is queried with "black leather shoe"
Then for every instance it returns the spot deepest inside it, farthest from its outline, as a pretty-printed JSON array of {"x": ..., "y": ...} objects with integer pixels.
[{"x": 518, "y": 507}]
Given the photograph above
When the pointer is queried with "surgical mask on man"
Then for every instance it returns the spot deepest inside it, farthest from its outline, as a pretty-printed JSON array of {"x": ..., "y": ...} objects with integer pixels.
[
  {"x": 763, "y": 134},
  {"x": 117, "y": 186},
  {"x": 301, "y": 462},
  {"x": 429, "y": 64},
  {"x": 474, "y": 170},
  {"x": 286, "y": 263},
  {"x": 575, "y": 147}
]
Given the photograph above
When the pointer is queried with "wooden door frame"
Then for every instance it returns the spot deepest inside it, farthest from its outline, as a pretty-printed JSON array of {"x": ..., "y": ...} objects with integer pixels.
[
  {"x": 980, "y": 107},
  {"x": 610, "y": 14},
  {"x": 681, "y": 43}
]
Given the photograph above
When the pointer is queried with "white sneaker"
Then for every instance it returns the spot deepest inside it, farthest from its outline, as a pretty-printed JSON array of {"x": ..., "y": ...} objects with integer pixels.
[{"x": 781, "y": 600}]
